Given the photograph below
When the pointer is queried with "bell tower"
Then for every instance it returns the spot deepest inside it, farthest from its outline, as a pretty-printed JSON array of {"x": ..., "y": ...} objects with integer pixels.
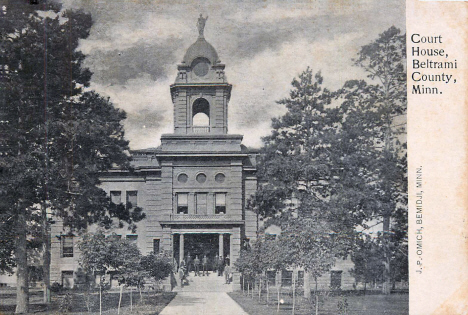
[{"x": 201, "y": 92}]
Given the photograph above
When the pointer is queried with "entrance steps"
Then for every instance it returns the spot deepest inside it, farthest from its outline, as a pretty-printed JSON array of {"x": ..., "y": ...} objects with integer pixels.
[{"x": 210, "y": 283}]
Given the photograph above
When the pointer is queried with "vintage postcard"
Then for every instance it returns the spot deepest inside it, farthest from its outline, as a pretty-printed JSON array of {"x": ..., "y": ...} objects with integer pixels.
[{"x": 233, "y": 157}]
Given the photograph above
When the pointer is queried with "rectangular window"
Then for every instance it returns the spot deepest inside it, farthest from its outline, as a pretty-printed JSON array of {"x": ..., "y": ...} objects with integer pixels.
[
  {"x": 67, "y": 246},
  {"x": 156, "y": 245},
  {"x": 201, "y": 200},
  {"x": 67, "y": 279},
  {"x": 132, "y": 238},
  {"x": 271, "y": 276},
  {"x": 335, "y": 279},
  {"x": 220, "y": 203},
  {"x": 132, "y": 199},
  {"x": 300, "y": 278},
  {"x": 286, "y": 277},
  {"x": 182, "y": 203},
  {"x": 116, "y": 197}
]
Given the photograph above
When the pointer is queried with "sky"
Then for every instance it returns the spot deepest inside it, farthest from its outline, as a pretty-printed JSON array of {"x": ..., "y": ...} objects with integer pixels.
[{"x": 135, "y": 45}]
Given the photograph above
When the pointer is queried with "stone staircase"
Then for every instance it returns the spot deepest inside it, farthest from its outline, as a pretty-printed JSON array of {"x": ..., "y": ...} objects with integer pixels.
[{"x": 210, "y": 283}]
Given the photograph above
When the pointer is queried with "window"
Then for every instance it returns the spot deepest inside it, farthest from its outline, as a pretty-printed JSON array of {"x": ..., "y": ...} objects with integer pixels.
[
  {"x": 132, "y": 199},
  {"x": 300, "y": 278},
  {"x": 67, "y": 279},
  {"x": 201, "y": 178},
  {"x": 182, "y": 203},
  {"x": 220, "y": 177},
  {"x": 201, "y": 203},
  {"x": 132, "y": 238},
  {"x": 156, "y": 243},
  {"x": 67, "y": 246},
  {"x": 335, "y": 279},
  {"x": 220, "y": 203},
  {"x": 246, "y": 243},
  {"x": 182, "y": 178},
  {"x": 286, "y": 277},
  {"x": 271, "y": 276},
  {"x": 270, "y": 237},
  {"x": 116, "y": 197}
]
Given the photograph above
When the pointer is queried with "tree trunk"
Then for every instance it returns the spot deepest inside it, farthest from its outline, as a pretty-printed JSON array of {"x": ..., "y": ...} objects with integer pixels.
[
  {"x": 243, "y": 288},
  {"x": 141, "y": 295},
  {"x": 278, "y": 286},
  {"x": 268, "y": 290},
  {"x": 294, "y": 293},
  {"x": 100, "y": 297},
  {"x": 45, "y": 254},
  {"x": 120, "y": 299},
  {"x": 306, "y": 285},
  {"x": 316, "y": 297},
  {"x": 387, "y": 255},
  {"x": 22, "y": 274},
  {"x": 259, "y": 289},
  {"x": 131, "y": 299}
]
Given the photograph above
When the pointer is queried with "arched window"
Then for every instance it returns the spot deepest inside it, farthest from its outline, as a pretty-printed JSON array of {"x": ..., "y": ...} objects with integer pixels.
[{"x": 201, "y": 112}]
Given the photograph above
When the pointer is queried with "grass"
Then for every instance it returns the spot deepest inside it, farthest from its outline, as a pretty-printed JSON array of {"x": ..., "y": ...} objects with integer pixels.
[
  {"x": 77, "y": 303},
  {"x": 394, "y": 304}
]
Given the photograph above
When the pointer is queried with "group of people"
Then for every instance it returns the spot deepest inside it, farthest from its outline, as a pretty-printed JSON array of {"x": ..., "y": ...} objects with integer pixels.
[{"x": 220, "y": 265}]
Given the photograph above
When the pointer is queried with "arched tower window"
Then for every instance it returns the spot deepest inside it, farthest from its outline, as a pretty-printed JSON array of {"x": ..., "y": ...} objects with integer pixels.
[{"x": 201, "y": 112}]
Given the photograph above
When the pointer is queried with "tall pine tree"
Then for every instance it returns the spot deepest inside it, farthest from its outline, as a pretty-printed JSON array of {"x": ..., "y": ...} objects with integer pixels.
[{"x": 60, "y": 138}]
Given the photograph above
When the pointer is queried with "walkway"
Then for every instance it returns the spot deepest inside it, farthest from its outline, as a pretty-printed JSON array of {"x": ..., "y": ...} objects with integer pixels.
[{"x": 205, "y": 296}]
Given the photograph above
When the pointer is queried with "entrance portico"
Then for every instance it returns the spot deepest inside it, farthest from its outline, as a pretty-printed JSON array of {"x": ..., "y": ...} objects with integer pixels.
[{"x": 210, "y": 242}]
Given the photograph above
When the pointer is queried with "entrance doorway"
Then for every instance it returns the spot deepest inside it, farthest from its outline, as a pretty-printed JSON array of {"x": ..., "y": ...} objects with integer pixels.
[{"x": 201, "y": 244}]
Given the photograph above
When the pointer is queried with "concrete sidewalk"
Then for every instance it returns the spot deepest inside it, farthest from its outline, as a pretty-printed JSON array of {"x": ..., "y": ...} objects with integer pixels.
[{"x": 203, "y": 303}]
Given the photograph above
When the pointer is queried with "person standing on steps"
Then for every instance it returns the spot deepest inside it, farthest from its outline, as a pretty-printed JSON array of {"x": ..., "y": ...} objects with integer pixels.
[
  {"x": 196, "y": 263},
  {"x": 188, "y": 261},
  {"x": 220, "y": 266},
  {"x": 205, "y": 265},
  {"x": 227, "y": 273},
  {"x": 182, "y": 271}
]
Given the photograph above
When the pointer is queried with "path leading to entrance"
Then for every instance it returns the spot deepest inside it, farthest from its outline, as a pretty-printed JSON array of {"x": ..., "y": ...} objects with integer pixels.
[
  {"x": 203, "y": 303},
  {"x": 203, "y": 295}
]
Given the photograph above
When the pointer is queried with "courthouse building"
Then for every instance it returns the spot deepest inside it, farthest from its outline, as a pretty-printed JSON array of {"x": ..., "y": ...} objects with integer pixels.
[{"x": 193, "y": 188}]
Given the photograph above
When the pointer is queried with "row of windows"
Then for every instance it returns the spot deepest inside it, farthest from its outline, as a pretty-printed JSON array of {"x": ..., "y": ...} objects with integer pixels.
[
  {"x": 201, "y": 204},
  {"x": 287, "y": 278},
  {"x": 131, "y": 198},
  {"x": 201, "y": 178}
]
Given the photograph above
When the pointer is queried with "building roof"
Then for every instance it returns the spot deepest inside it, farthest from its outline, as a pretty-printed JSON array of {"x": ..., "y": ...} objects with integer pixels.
[{"x": 201, "y": 48}]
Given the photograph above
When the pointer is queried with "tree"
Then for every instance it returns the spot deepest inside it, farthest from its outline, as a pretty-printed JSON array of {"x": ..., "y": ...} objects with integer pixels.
[
  {"x": 378, "y": 145},
  {"x": 101, "y": 254},
  {"x": 297, "y": 159},
  {"x": 367, "y": 258},
  {"x": 157, "y": 266},
  {"x": 60, "y": 137},
  {"x": 311, "y": 244},
  {"x": 300, "y": 166}
]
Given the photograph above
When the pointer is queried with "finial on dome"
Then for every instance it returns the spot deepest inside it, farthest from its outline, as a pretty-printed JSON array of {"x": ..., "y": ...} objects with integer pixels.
[{"x": 201, "y": 25}]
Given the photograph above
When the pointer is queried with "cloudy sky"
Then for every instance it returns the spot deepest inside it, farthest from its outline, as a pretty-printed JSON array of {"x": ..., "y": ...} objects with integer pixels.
[{"x": 135, "y": 46}]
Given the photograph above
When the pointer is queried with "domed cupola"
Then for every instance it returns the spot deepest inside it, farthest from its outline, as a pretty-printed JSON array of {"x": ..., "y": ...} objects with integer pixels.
[
  {"x": 201, "y": 49},
  {"x": 200, "y": 92}
]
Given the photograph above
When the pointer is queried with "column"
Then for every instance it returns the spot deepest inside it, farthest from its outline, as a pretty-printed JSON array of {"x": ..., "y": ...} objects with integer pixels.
[
  {"x": 221, "y": 245},
  {"x": 181, "y": 248},
  {"x": 231, "y": 247}
]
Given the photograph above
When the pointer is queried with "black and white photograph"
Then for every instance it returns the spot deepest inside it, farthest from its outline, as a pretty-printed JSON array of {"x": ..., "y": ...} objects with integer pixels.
[{"x": 204, "y": 157}]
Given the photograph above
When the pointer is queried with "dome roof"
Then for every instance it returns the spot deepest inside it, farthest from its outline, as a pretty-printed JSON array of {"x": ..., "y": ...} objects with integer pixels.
[{"x": 201, "y": 48}]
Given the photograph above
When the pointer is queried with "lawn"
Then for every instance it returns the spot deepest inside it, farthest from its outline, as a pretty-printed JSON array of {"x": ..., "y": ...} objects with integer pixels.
[
  {"x": 152, "y": 303},
  {"x": 394, "y": 304}
]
